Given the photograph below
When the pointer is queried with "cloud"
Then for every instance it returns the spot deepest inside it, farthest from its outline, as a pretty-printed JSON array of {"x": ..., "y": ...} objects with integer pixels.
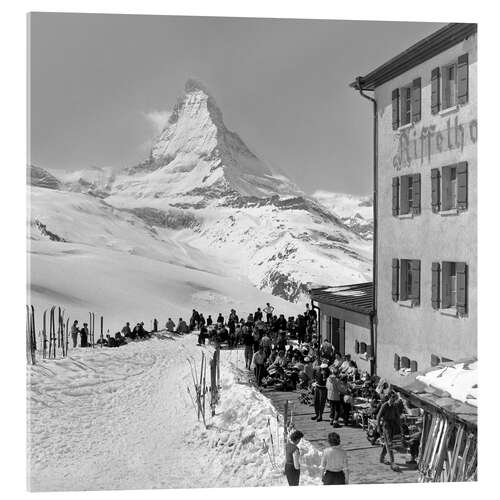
[{"x": 158, "y": 119}]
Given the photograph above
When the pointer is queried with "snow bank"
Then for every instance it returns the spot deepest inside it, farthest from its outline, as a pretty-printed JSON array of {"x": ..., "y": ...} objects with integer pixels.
[{"x": 459, "y": 380}]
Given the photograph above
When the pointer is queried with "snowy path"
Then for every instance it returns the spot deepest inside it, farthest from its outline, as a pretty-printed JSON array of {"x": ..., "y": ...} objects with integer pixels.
[{"x": 122, "y": 419}]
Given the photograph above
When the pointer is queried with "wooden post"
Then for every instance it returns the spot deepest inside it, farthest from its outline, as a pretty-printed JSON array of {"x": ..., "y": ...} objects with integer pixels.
[
  {"x": 44, "y": 334},
  {"x": 285, "y": 422},
  {"x": 102, "y": 331}
]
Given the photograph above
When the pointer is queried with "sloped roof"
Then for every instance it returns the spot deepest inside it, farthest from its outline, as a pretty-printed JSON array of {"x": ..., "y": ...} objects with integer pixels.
[
  {"x": 355, "y": 297},
  {"x": 437, "y": 42}
]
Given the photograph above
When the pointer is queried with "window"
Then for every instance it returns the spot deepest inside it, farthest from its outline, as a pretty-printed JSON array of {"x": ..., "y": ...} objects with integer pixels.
[
  {"x": 406, "y": 104},
  {"x": 449, "y": 86},
  {"x": 449, "y": 188},
  {"x": 449, "y": 287},
  {"x": 406, "y": 281},
  {"x": 406, "y": 194}
]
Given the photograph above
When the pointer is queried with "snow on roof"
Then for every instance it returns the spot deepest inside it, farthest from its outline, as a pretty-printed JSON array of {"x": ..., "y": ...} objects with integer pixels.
[{"x": 458, "y": 379}]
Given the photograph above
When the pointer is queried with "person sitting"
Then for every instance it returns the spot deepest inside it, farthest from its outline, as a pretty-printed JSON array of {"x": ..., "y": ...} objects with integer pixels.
[
  {"x": 119, "y": 339},
  {"x": 126, "y": 331},
  {"x": 220, "y": 319},
  {"x": 280, "y": 361},
  {"x": 170, "y": 325},
  {"x": 337, "y": 362},
  {"x": 345, "y": 364},
  {"x": 182, "y": 327},
  {"x": 281, "y": 323},
  {"x": 352, "y": 371},
  {"x": 111, "y": 341},
  {"x": 135, "y": 331}
]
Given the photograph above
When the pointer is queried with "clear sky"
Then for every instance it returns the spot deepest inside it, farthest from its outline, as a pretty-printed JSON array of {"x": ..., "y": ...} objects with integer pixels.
[{"x": 100, "y": 84}]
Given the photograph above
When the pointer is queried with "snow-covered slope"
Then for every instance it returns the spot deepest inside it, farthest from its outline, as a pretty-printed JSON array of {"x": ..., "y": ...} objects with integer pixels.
[
  {"x": 87, "y": 256},
  {"x": 356, "y": 212},
  {"x": 202, "y": 190}
]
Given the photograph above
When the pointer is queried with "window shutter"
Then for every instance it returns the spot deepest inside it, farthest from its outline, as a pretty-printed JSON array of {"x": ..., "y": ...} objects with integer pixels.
[
  {"x": 369, "y": 351},
  {"x": 413, "y": 366},
  {"x": 403, "y": 287},
  {"x": 404, "y": 195},
  {"x": 445, "y": 296},
  {"x": 362, "y": 347},
  {"x": 416, "y": 100},
  {"x": 395, "y": 109},
  {"x": 397, "y": 362},
  {"x": 416, "y": 194},
  {"x": 463, "y": 79},
  {"x": 436, "y": 191},
  {"x": 356, "y": 347},
  {"x": 461, "y": 268},
  {"x": 436, "y": 268},
  {"x": 447, "y": 198},
  {"x": 395, "y": 280},
  {"x": 405, "y": 362},
  {"x": 462, "y": 185},
  {"x": 415, "y": 280},
  {"x": 395, "y": 195},
  {"x": 435, "y": 87}
]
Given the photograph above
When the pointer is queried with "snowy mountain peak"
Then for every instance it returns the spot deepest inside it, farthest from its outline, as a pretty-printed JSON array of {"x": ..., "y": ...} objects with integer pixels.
[{"x": 199, "y": 156}]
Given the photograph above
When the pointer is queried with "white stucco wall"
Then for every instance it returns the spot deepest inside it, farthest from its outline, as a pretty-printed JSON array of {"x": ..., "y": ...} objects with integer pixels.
[{"x": 421, "y": 331}]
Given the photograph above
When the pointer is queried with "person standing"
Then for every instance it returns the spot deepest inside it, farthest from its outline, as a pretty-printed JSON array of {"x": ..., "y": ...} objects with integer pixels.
[
  {"x": 258, "y": 362},
  {"x": 74, "y": 333},
  {"x": 389, "y": 424},
  {"x": 320, "y": 392},
  {"x": 84, "y": 335},
  {"x": 334, "y": 462},
  {"x": 248, "y": 343},
  {"x": 334, "y": 395},
  {"x": 269, "y": 309},
  {"x": 170, "y": 325},
  {"x": 292, "y": 458}
]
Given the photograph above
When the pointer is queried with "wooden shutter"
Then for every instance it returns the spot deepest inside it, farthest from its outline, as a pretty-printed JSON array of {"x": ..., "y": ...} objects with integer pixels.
[
  {"x": 395, "y": 195},
  {"x": 403, "y": 280},
  {"x": 462, "y": 185},
  {"x": 436, "y": 270},
  {"x": 446, "y": 191},
  {"x": 404, "y": 209},
  {"x": 415, "y": 280},
  {"x": 435, "y": 90},
  {"x": 356, "y": 347},
  {"x": 436, "y": 190},
  {"x": 362, "y": 347},
  {"x": 405, "y": 362},
  {"x": 445, "y": 276},
  {"x": 461, "y": 268},
  {"x": 415, "y": 206},
  {"x": 395, "y": 280},
  {"x": 416, "y": 100},
  {"x": 397, "y": 362},
  {"x": 395, "y": 109},
  {"x": 463, "y": 79},
  {"x": 413, "y": 366},
  {"x": 369, "y": 351}
]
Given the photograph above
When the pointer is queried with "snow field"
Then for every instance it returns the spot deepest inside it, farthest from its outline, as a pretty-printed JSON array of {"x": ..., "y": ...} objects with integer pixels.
[{"x": 122, "y": 419}]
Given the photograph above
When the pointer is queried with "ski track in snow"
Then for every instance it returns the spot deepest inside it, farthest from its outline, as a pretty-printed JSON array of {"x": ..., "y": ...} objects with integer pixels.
[{"x": 122, "y": 419}]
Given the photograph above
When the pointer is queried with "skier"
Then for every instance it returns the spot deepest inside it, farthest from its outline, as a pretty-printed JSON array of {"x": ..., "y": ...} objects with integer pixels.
[
  {"x": 257, "y": 315},
  {"x": 170, "y": 325},
  {"x": 74, "y": 333},
  {"x": 202, "y": 335},
  {"x": 202, "y": 321},
  {"x": 269, "y": 312},
  {"x": 220, "y": 319},
  {"x": 155, "y": 325}
]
